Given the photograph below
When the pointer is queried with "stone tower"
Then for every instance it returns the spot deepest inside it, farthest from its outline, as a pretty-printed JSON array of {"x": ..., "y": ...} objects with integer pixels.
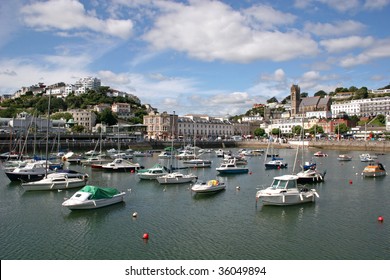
[{"x": 295, "y": 99}]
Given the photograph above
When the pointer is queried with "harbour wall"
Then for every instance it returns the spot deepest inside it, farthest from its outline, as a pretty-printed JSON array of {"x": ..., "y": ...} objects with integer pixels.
[{"x": 87, "y": 142}]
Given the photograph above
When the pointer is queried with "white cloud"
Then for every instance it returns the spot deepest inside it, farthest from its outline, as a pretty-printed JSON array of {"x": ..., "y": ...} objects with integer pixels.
[
  {"x": 376, "y": 4},
  {"x": 380, "y": 50},
  {"x": 342, "y": 6},
  {"x": 267, "y": 16},
  {"x": 71, "y": 15},
  {"x": 24, "y": 72},
  {"x": 213, "y": 31},
  {"x": 339, "y": 28},
  {"x": 347, "y": 43}
]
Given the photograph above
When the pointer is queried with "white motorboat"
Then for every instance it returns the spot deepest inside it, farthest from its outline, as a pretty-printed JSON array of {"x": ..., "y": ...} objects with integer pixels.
[
  {"x": 165, "y": 154},
  {"x": 284, "y": 190},
  {"x": 198, "y": 162},
  {"x": 95, "y": 160},
  {"x": 344, "y": 157},
  {"x": 220, "y": 153},
  {"x": 208, "y": 187},
  {"x": 231, "y": 167},
  {"x": 91, "y": 197},
  {"x": 56, "y": 181},
  {"x": 186, "y": 154},
  {"x": 120, "y": 164},
  {"x": 367, "y": 157},
  {"x": 176, "y": 178},
  {"x": 152, "y": 173}
]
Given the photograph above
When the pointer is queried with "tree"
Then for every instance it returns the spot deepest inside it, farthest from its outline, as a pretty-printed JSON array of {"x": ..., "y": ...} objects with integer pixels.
[
  {"x": 361, "y": 93},
  {"x": 259, "y": 132},
  {"x": 353, "y": 89},
  {"x": 107, "y": 117},
  {"x": 321, "y": 93},
  {"x": 77, "y": 128},
  {"x": 272, "y": 100},
  {"x": 275, "y": 131},
  {"x": 316, "y": 129},
  {"x": 297, "y": 130},
  {"x": 61, "y": 115},
  {"x": 341, "y": 128}
]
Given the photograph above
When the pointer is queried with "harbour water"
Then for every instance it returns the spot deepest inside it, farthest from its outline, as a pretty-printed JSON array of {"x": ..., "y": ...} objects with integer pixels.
[{"x": 341, "y": 225}]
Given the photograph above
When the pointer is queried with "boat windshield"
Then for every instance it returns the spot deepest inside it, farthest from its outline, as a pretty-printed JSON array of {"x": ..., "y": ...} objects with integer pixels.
[{"x": 283, "y": 184}]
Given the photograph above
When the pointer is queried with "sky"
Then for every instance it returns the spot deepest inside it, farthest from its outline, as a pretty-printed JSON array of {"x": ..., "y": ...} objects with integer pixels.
[{"x": 198, "y": 56}]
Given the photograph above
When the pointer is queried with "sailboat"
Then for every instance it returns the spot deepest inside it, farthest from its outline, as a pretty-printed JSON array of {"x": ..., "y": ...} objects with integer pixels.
[
  {"x": 308, "y": 175},
  {"x": 276, "y": 162},
  {"x": 55, "y": 181},
  {"x": 175, "y": 177},
  {"x": 196, "y": 161}
]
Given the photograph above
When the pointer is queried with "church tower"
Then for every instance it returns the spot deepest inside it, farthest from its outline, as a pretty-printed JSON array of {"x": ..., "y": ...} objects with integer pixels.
[{"x": 295, "y": 99}]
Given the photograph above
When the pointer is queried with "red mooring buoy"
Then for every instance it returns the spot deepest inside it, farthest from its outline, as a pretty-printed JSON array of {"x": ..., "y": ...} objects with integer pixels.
[
  {"x": 380, "y": 219},
  {"x": 145, "y": 236},
  {"x": 350, "y": 182}
]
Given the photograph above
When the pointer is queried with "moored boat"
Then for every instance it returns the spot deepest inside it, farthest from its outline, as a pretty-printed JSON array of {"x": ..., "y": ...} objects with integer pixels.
[
  {"x": 120, "y": 164},
  {"x": 320, "y": 154},
  {"x": 176, "y": 178},
  {"x": 310, "y": 176},
  {"x": 92, "y": 197},
  {"x": 374, "y": 170},
  {"x": 210, "y": 186},
  {"x": 284, "y": 190},
  {"x": 344, "y": 157},
  {"x": 231, "y": 167},
  {"x": 275, "y": 164},
  {"x": 152, "y": 173},
  {"x": 56, "y": 181}
]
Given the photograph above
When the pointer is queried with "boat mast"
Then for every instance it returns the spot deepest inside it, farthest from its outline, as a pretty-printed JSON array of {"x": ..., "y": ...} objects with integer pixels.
[
  {"x": 47, "y": 135},
  {"x": 172, "y": 137}
]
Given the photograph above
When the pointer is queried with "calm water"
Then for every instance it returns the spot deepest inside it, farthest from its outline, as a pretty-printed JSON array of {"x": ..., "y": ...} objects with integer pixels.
[{"x": 341, "y": 224}]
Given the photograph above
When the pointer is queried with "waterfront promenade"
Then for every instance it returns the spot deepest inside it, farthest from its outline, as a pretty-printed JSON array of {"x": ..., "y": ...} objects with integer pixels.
[{"x": 84, "y": 143}]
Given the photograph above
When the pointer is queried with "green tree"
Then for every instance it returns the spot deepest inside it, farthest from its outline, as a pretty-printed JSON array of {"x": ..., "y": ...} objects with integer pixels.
[
  {"x": 275, "y": 131},
  {"x": 297, "y": 130},
  {"x": 61, "y": 115},
  {"x": 107, "y": 117},
  {"x": 272, "y": 100},
  {"x": 341, "y": 128},
  {"x": 316, "y": 129},
  {"x": 321, "y": 93},
  {"x": 259, "y": 132},
  {"x": 77, "y": 128},
  {"x": 361, "y": 93}
]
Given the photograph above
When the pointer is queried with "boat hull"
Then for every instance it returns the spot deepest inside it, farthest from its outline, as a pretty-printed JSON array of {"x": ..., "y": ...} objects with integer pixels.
[
  {"x": 25, "y": 177},
  {"x": 93, "y": 204},
  {"x": 63, "y": 185},
  {"x": 233, "y": 171},
  {"x": 275, "y": 166},
  {"x": 374, "y": 174},
  {"x": 205, "y": 188},
  {"x": 310, "y": 180},
  {"x": 278, "y": 200}
]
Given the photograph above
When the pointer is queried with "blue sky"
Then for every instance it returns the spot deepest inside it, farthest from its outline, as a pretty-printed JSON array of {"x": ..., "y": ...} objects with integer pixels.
[{"x": 197, "y": 56}]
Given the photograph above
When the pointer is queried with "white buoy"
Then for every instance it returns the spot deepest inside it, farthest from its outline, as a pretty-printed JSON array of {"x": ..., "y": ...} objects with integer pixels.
[
  {"x": 238, "y": 188},
  {"x": 135, "y": 214}
]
